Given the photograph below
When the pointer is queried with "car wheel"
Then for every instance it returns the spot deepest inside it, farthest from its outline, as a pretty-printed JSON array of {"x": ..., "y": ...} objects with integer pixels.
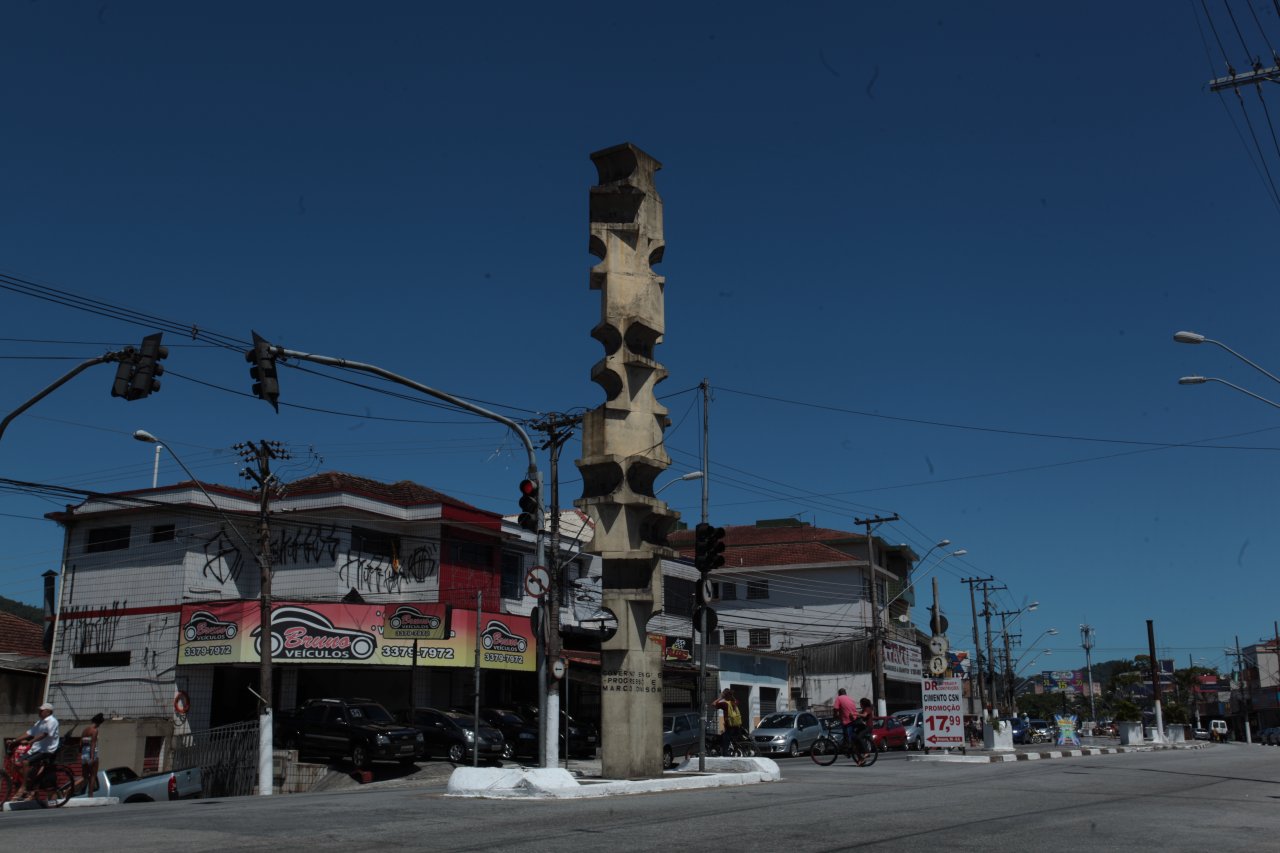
[
  {"x": 360, "y": 756},
  {"x": 508, "y": 752},
  {"x": 793, "y": 749},
  {"x": 457, "y": 753},
  {"x": 666, "y": 757}
]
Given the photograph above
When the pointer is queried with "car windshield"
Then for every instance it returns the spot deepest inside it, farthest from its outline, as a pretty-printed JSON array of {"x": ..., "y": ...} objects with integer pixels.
[
  {"x": 465, "y": 720},
  {"x": 778, "y": 721},
  {"x": 508, "y": 718},
  {"x": 370, "y": 713}
]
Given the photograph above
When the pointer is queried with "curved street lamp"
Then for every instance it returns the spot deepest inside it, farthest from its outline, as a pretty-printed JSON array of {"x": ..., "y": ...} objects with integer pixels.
[
  {"x": 692, "y": 475},
  {"x": 1197, "y": 338},
  {"x": 266, "y": 745}
]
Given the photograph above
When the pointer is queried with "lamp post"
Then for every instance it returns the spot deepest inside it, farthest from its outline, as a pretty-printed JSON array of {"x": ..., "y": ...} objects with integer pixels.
[
  {"x": 1042, "y": 653},
  {"x": 266, "y": 745},
  {"x": 692, "y": 475},
  {"x": 1086, "y": 641},
  {"x": 1008, "y": 655},
  {"x": 959, "y": 552}
]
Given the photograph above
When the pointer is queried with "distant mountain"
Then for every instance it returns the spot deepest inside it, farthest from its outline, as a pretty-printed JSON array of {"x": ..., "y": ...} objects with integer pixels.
[{"x": 23, "y": 611}]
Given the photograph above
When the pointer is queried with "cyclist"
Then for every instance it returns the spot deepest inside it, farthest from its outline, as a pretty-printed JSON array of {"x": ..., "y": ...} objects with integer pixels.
[
  {"x": 44, "y": 740},
  {"x": 846, "y": 713}
]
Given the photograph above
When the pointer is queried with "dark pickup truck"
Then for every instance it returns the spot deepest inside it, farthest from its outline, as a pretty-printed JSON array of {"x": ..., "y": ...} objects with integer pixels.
[{"x": 357, "y": 728}]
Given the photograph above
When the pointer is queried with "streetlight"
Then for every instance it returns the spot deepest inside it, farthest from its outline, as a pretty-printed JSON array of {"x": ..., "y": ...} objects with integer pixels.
[
  {"x": 1200, "y": 380},
  {"x": 265, "y": 742},
  {"x": 1008, "y": 654},
  {"x": 959, "y": 552},
  {"x": 1197, "y": 338},
  {"x": 1042, "y": 653},
  {"x": 692, "y": 475},
  {"x": 1086, "y": 641}
]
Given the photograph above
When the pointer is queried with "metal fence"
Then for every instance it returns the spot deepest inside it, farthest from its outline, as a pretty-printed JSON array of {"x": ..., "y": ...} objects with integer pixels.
[{"x": 227, "y": 757}]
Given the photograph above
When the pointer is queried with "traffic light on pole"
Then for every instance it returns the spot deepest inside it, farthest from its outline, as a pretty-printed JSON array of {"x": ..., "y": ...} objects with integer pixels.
[
  {"x": 528, "y": 506},
  {"x": 144, "y": 379},
  {"x": 708, "y": 548},
  {"x": 265, "y": 383},
  {"x": 124, "y": 372}
]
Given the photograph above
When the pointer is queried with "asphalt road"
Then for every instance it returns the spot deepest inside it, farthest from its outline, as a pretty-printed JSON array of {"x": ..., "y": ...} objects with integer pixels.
[{"x": 1223, "y": 798}]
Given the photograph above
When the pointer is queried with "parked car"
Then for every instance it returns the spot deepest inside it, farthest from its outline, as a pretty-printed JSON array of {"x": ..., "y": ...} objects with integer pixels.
[
  {"x": 1270, "y": 736},
  {"x": 520, "y": 735},
  {"x": 1201, "y": 734},
  {"x": 359, "y": 728},
  {"x": 786, "y": 733},
  {"x": 454, "y": 735},
  {"x": 129, "y": 787},
  {"x": 578, "y": 738},
  {"x": 681, "y": 734},
  {"x": 888, "y": 733},
  {"x": 1019, "y": 729},
  {"x": 1041, "y": 731},
  {"x": 913, "y": 722}
]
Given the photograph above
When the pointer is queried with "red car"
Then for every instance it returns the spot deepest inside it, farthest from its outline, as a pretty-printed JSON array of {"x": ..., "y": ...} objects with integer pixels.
[{"x": 888, "y": 733}]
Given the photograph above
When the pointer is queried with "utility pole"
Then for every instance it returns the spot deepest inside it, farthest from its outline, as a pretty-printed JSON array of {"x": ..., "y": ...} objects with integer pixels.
[
  {"x": 705, "y": 387},
  {"x": 977, "y": 646},
  {"x": 1008, "y": 658},
  {"x": 557, "y": 428},
  {"x": 1086, "y": 640},
  {"x": 262, "y": 453},
  {"x": 877, "y": 641},
  {"x": 991, "y": 670},
  {"x": 1155, "y": 682}
]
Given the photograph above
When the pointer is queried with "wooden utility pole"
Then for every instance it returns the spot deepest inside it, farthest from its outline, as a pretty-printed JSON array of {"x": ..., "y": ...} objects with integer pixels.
[
  {"x": 877, "y": 641},
  {"x": 977, "y": 645},
  {"x": 261, "y": 454}
]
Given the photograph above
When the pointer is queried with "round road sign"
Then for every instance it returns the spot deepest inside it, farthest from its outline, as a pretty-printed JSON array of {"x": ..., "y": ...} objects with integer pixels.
[
  {"x": 537, "y": 581},
  {"x": 937, "y": 665},
  {"x": 558, "y": 667}
]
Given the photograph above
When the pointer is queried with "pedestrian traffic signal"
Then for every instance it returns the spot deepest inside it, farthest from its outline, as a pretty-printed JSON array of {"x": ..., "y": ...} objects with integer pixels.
[
  {"x": 529, "y": 507},
  {"x": 708, "y": 548},
  {"x": 266, "y": 385},
  {"x": 136, "y": 375}
]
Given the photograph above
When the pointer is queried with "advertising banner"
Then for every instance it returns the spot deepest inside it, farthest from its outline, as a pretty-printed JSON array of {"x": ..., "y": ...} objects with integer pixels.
[
  {"x": 1066, "y": 681},
  {"x": 902, "y": 662},
  {"x": 943, "y": 704},
  {"x": 354, "y": 634},
  {"x": 677, "y": 649},
  {"x": 958, "y": 663},
  {"x": 1068, "y": 730}
]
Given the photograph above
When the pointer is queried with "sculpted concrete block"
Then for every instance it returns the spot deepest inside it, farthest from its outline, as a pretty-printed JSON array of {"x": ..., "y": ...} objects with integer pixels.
[{"x": 623, "y": 453}]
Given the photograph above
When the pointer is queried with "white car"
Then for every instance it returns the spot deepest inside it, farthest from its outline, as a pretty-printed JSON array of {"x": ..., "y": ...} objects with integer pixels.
[
  {"x": 913, "y": 722},
  {"x": 786, "y": 733}
]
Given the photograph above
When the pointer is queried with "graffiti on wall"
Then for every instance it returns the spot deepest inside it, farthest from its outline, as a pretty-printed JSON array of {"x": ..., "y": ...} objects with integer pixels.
[
  {"x": 305, "y": 546},
  {"x": 222, "y": 559},
  {"x": 94, "y": 633},
  {"x": 369, "y": 573}
]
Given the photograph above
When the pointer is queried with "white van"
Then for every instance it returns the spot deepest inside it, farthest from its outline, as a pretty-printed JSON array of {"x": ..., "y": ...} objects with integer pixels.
[{"x": 1218, "y": 730}]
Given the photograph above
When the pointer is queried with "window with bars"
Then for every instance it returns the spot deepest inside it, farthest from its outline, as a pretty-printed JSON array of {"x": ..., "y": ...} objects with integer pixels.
[
  {"x": 107, "y": 539},
  {"x": 677, "y": 596},
  {"x": 512, "y": 575},
  {"x": 758, "y": 589},
  {"x": 725, "y": 590},
  {"x": 728, "y": 637},
  {"x": 758, "y": 638}
]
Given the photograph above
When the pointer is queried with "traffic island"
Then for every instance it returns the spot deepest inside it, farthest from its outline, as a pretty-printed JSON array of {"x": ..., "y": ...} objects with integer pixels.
[
  {"x": 558, "y": 783},
  {"x": 985, "y": 757}
]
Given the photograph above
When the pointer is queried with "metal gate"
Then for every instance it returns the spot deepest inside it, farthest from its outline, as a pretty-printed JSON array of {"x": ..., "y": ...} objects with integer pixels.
[{"x": 227, "y": 757}]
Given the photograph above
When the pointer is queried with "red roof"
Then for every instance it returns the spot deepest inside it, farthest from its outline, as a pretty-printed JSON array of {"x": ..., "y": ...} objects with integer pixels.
[
  {"x": 403, "y": 493},
  {"x": 21, "y": 637},
  {"x": 754, "y": 546}
]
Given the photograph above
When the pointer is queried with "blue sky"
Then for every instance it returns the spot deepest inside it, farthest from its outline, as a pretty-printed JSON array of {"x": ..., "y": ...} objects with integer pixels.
[{"x": 931, "y": 259}]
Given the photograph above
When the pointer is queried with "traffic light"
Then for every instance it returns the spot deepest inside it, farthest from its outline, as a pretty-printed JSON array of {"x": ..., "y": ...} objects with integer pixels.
[
  {"x": 265, "y": 383},
  {"x": 136, "y": 375},
  {"x": 708, "y": 548},
  {"x": 528, "y": 506}
]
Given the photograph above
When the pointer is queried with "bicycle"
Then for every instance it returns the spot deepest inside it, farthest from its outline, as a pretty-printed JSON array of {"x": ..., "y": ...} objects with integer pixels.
[
  {"x": 54, "y": 783},
  {"x": 740, "y": 745},
  {"x": 827, "y": 748}
]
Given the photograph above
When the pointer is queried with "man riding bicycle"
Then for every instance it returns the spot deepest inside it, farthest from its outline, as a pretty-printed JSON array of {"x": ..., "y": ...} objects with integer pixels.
[
  {"x": 854, "y": 719},
  {"x": 44, "y": 740}
]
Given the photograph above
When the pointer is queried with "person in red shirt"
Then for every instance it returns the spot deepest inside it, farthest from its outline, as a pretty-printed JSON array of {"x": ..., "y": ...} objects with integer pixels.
[{"x": 846, "y": 713}]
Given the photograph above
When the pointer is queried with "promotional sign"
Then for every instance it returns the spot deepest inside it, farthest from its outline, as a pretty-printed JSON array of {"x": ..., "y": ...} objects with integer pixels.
[
  {"x": 957, "y": 663},
  {"x": 1068, "y": 730},
  {"x": 901, "y": 662},
  {"x": 943, "y": 704},
  {"x": 354, "y": 634},
  {"x": 415, "y": 621},
  {"x": 678, "y": 649}
]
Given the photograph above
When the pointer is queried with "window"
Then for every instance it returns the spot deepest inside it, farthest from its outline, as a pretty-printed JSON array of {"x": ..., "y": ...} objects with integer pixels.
[
  {"x": 93, "y": 659},
  {"x": 375, "y": 543},
  {"x": 472, "y": 554},
  {"x": 163, "y": 532},
  {"x": 758, "y": 637},
  {"x": 107, "y": 539},
  {"x": 725, "y": 590},
  {"x": 758, "y": 589},
  {"x": 677, "y": 596},
  {"x": 729, "y": 638},
  {"x": 512, "y": 575}
]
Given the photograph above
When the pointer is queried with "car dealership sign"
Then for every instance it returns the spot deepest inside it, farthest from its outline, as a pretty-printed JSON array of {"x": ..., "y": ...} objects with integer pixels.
[{"x": 354, "y": 634}]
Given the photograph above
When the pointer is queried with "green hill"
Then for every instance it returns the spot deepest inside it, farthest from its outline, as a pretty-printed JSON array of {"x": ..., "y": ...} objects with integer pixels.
[{"x": 24, "y": 611}]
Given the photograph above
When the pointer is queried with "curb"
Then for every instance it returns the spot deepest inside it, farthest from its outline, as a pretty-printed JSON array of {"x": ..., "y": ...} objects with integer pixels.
[{"x": 1005, "y": 757}]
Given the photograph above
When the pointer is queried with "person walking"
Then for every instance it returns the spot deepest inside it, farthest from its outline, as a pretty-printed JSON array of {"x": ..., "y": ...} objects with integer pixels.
[
  {"x": 89, "y": 754},
  {"x": 728, "y": 703},
  {"x": 44, "y": 740}
]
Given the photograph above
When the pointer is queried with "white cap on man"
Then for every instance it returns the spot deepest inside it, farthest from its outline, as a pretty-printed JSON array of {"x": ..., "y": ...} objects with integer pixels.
[{"x": 46, "y": 707}]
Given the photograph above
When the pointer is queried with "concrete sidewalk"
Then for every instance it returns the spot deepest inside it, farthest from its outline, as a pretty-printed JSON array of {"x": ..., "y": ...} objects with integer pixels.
[
  {"x": 559, "y": 783},
  {"x": 1044, "y": 751}
]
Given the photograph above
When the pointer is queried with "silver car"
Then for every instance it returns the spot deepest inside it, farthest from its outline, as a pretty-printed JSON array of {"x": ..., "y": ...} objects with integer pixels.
[
  {"x": 786, "y": 733},
  {"x": 913, "y": 722}
]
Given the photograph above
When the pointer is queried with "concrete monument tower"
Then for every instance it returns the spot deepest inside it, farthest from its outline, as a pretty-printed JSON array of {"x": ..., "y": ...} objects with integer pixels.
[{"x": 622, "y": 455}]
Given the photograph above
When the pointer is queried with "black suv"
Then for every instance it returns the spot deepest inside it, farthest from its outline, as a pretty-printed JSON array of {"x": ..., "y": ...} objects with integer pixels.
[{"x": 359, "y": 728}]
